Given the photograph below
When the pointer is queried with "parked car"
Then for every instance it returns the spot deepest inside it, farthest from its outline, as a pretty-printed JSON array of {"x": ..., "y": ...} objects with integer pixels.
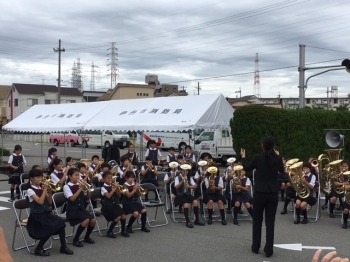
[{"x": 71, "y": 137}]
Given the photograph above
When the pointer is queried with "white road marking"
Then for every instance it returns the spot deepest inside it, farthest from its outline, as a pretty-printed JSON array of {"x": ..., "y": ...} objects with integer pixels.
[
  {"x": 5, "y": 199},
  {"x": 3, "y": 208},
  {"x": 5, "y": 192}
]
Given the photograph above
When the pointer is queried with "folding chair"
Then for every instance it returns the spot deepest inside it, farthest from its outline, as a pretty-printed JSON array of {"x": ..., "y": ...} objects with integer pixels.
[
  {"x": 58, "y": 199},
  {"x": 204, "y": 206},
  {"x": 240, "y": 216},
  {"x": 24, "y": 177},
  {"x": 20, "y": 205},
  {"x": 23, "y": 190},
  {"x": 318, "y": 204},
  {"x": 175, "y": 218},
  {"x": 150, "y": 204}
]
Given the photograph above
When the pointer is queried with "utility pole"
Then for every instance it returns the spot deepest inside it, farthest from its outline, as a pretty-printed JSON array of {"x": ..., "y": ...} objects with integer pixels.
[
  {"x": 238, "y": 92},
  {"x": 279, "y": 95},
  {"x": 198, "y": 88},
  {"x": 59, "y": 50},
  {"x": 301, "y": 70},
  {"x": 328, "y": 91}
]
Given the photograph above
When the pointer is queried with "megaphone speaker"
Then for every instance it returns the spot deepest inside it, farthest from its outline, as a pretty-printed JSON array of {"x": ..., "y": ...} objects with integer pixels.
[{"x": 333, "y": 138}]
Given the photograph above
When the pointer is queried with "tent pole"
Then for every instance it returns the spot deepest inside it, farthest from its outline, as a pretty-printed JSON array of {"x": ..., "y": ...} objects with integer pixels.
[
  {"x": 82, "y": 143},
  {"x": 41, "y": 149},
  {"x": 141, "y": 145},
  {"x": 2, "y": 146},
  {"x": 102, "y": 145},
  {"x": 194, "y": 144},
  {"x": 65, "y": 144}
]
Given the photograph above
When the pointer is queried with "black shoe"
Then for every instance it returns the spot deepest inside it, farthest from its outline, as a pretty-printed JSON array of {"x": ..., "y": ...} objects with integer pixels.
[
  {"x": 223, "y": 222},
  {"x": 297, "y": 221},
  {"x": 17, "y": 197},
  {"x": 284, "y": 212},
  {"x": 77, "y": 243},
  {"x": 41, "y": 253},
  {"x": 12, "y": 199},
  {"x": 305, "y": 221},
  {"x": 235, "y": 222},
  {"x": 331, "y": 215},
  {"x": 255, "y": 250},
  {"x": 129, "y": 230},
  {"x": 89, "y": 240},
  {"x": 345, "y": 226},
  {"x": 168, "y": 212},
  {"x": 268, "y": 253},
  {"x": 111, "y": 235},
  {"x": 199, "y": 223},
  {"x": 210, "y": 221},
  {"x": 324, "y": 207},
  {"x": 66, "y": 250},
  {"x": 145, "y": 229},
  {"x": 189, "y": 225},
  {"x": 125, "y": 234}
]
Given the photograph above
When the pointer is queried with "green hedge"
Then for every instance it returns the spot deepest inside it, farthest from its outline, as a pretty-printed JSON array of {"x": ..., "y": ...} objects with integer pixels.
[
  {"x": 298, "y": 133},
  {"x": 5, "y": 152}
]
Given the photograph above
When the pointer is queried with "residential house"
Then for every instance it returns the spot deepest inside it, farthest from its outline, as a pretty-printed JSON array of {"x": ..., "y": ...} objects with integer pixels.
[
  {"x": 92, "y": 96},
  {"x": 4, "y": 90},
  {"x": 22, "y": 96},
  {"x": 128, "y": 91}
]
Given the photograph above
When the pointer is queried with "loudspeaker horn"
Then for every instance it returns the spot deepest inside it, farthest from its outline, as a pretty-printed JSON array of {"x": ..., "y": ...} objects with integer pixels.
[{"x": 333, "y": 138}]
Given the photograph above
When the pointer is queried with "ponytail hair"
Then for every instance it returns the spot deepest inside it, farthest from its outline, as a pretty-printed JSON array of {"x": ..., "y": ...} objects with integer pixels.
[{"x": 269, "y": 144}]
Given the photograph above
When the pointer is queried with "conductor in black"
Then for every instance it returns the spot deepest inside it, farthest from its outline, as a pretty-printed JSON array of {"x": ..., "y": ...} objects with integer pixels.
[{"x": 267, "y": 166}]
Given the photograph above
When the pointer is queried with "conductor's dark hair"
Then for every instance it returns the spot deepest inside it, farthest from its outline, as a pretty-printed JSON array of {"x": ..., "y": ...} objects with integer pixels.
[{"x": 269, "y": 146}]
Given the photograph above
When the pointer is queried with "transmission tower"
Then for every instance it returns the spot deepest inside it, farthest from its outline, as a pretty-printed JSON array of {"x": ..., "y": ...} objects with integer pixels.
[
  {"x": 113, "y": 63},
  {"x": 257, "y": 77},
  {"x": 74, "y": 75},
  {"x": 79, "y": 77},
  {"x": 93, "y": 76}
]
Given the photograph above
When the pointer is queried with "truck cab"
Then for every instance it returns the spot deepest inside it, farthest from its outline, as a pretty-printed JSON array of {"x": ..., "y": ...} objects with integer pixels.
[{"x": 215, "y": 143}]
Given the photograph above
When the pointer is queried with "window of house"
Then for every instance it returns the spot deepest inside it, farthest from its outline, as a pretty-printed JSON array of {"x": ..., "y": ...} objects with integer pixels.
[
  {"x": 48, "y": 101},
  {"x": 32, "y": 102},
  {"x": 137, "y": 94},
  {"x": 144, "y": 94},
  {"x": 335, "y": 100},
  {"x": 147, "y": 94},
  {"x": 16, "y": 102},
  {"x": 308, "y": 101},
  {"x": 166, "y": 89},
  {"x": 70, "y": 101}
]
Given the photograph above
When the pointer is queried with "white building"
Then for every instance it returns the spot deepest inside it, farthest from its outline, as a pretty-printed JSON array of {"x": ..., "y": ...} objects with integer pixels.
[{"x": 23, "y": 96}]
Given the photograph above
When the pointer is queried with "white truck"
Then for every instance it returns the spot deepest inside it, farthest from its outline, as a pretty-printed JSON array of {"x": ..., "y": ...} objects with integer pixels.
[{"x": 215, "y": 143}]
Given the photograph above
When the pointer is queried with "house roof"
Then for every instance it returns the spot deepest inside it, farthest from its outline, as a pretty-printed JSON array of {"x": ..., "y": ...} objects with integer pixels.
[
  {"x": 107, "y": 96},
  {"x": 4, "y": 90},
  {"x": 41, "y": 89}
]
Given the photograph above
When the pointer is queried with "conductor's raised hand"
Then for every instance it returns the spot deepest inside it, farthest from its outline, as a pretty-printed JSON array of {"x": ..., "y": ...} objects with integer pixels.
[{"x": 242, "y": 153}]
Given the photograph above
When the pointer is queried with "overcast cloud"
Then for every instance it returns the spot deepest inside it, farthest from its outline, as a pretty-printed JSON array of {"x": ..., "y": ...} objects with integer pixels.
[{"x": 180, "y": 41}]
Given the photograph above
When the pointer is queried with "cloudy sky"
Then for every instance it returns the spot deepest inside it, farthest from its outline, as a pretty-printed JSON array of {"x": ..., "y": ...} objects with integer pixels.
[{"x": 212, "y": 42}]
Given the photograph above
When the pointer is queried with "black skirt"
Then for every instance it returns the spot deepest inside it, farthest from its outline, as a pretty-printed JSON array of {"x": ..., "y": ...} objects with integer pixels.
[
  {"x": 112, "y": 212},
  {"x": 180, "y": 200},
  {"x": 310, "y": 200},
  {"x": 214, "y": 197},
  {"x": 346, "y": 205},
  {"x": 75, "y": 217},
  {"x": 44, "y": 225},
  {"x": 130, "y": 208},
  {"x": 334, "y": 194},
  {"x": 15, "y": 179},
  {"x": 243, "y": 198},
  {"x": 151, "y": 181},
  {"x": 290, "y": 192}
]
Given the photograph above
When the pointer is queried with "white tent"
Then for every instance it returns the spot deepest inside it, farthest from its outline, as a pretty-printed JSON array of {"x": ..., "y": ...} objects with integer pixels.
[
  {"x": 55, "y": 118},
  {"x": 164, "y": 114}
]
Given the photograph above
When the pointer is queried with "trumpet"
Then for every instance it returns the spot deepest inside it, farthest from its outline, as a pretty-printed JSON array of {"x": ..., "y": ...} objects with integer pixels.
[
  {"x": 142, "y": 191},
  {"x": 123, "y": 189},
  {"x": 52, "y": 186},
  {"x": 87, "y": 186}
]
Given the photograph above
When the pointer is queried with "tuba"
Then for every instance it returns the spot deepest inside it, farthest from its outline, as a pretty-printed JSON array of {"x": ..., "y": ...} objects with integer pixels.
[
  {"x": 186, "y": 167},
  {"x": 324, "y": 175},
  {"x": 202, "y": 164},
  {"x": 336, "y": 175},
  {"x": 237, "y": 178},
  {"x": 295, "y": 174},
  {"x": 212, "y": 171}
]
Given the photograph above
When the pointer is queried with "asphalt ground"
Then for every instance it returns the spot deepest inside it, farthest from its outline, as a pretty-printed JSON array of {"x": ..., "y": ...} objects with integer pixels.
[{"x": 175, "y": 242}]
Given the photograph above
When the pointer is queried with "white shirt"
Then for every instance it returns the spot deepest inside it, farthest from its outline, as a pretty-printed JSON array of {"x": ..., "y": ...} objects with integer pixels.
[
  {"x": 147, "y": 152},
  {"x": 30, "y": 193},
  {"x": 247, "y": 182},
  {"x": 168, "y": 158},
  {"x": 191, "y": 181},
  {"x": 99, "y": 177},
  {"x": 11, "y": 158},
  {"x": 92, "y": 169},
  {"x": 49, "y": 159},
  {"x": 121, "y": 171},
  {"x": 103, "y": 190},
  {"x": 54, "y": 177},
  {"x": 313, "y": 180},
  {"x": 221, "y": 182},
  {"x": 67, "y": 191},
  {"x": 167, "y": 176},
  {"x": 187, "y": 156},
  {"x": 143, "y": 168}
]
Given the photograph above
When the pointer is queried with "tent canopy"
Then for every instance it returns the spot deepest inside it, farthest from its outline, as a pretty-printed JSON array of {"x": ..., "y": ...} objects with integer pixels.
[
  {"x": 55, "y": 117},
  {"x": 176, "y": 113}
]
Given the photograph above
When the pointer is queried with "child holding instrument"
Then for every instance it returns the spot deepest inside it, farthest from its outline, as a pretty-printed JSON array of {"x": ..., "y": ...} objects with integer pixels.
[
  {"x": 16, "y": 163},
  {"x": 76, "y": 213},
  {"x": 52, "y": 154},
  {"x": 41, "y": 223},
  {"x": 57, "y": 175},
  {"x": 111, "y": 209},
  {"x": 131, "y": 204},
  {"x": 150, "y": 173}
]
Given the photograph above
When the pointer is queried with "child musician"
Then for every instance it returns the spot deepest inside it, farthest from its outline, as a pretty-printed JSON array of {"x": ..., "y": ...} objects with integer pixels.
[
  {"x": 308, "y": 180},
  {"x": 58, "y": 176},
  {"x": 189, "y": 154},
  {"x": 168, "y": 179},
  {"x": 131, "y": 204},
  {"x": 214, "y": 195},
  {"x": 334, "y": 195},
  {"x": 104, "y": 168},
  {"x": 41, "y": 223},
  {"x": 154, "y": 153},
  {"x": 132, "y": 155},
  {"x": 183, "y": 184},
  {"x": 242, "y": 195},
  {"x": 111, "y": 209},
  {"x": 16, "y": 163},
  {"x": 69, "y": 162},
  {"x": 95, "y": 165},
  {"x": 125, "y": 167},
  {"x": 51, "y": 155},
  {"x": 76, "y": 213},
  {"x": 171, "y": 157},
  {"x": 150, "y": 175},
  {"x": 228, "y": 176}
]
